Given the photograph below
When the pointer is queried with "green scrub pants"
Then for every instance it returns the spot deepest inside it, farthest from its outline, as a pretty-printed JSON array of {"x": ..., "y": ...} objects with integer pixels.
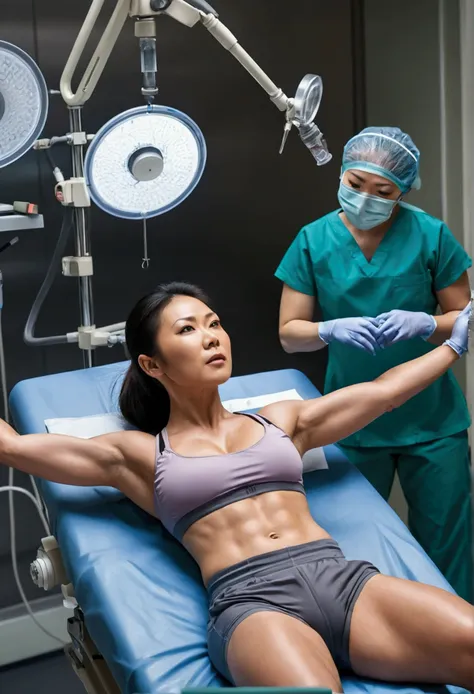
[{"x": 435, "y": 478}]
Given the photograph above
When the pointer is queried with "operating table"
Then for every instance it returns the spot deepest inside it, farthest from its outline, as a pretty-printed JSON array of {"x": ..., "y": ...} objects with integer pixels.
[{"x": 139, "y": 626}]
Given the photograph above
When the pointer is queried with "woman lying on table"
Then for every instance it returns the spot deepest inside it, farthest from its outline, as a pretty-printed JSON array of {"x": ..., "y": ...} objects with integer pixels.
[{"x": 286, "y": 607}]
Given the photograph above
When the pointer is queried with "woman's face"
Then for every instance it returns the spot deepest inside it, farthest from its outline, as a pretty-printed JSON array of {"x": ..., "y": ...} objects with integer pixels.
[
  {"x": 193, "y": 347},
  {"x": 372, "y": 184}
]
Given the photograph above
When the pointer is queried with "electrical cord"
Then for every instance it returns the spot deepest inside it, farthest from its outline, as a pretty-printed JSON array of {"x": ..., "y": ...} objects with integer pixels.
[
  {"x": 52, "y": 163},
  {"x": 22, "y": 490},
  {"x": 28, "y": 334},
  {"x": 40, "y": 501},
  {"x": 6, "y": 415},
  {"x": 11, "y": 489}
]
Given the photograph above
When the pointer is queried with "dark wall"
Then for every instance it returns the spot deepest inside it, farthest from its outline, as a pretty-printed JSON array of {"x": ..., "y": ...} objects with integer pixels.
[{"x": 232, "y": 231}]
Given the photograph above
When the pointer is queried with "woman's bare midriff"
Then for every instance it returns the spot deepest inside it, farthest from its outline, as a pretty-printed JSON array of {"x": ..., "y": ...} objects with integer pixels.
[{"x": 247, "y": 528}]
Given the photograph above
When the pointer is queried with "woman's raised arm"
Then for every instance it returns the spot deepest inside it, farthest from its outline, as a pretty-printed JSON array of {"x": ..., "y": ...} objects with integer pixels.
[{"x": 70, "y": 460}]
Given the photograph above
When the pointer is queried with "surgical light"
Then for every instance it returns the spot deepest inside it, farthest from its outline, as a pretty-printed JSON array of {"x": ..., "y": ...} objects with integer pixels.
[
  {"x": 145, "y": 162},
  {"x": 23, "y": 103}
]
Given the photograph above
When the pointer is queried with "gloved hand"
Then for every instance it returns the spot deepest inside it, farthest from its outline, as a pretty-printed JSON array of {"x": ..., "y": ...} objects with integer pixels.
[
  {"x": 398, "y": 325},
  {"x": 359, "y": 332},
  {"x": 460, "y": 335}
]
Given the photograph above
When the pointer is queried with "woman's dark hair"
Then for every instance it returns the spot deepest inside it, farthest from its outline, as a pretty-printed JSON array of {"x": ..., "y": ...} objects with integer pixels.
[{"x": 143, "y": 401}]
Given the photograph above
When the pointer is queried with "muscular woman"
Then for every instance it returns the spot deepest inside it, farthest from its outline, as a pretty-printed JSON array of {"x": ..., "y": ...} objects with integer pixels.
[{"x": 285, "y": 606}]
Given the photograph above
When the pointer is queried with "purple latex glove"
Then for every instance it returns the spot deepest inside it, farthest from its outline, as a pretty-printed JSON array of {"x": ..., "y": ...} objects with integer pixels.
[
  {"x": 358, "y": 332},
  {"x": 459, "y": 339},
  {"x": 398, "y": 325}
]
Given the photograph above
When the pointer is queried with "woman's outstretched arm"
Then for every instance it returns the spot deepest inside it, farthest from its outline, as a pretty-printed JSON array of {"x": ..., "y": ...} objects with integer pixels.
[
  {"x": 329, "y": 419},
  {"x": 69, "y": 460}
]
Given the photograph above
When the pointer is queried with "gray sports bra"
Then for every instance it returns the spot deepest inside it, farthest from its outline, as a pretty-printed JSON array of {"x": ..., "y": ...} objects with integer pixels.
[{"x": 189, "y": 488}]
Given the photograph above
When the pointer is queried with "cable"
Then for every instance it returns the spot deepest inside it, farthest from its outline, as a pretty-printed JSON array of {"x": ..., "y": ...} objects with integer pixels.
[
  {"x": 21, "y": 490},
  {"x": 40, "y": 501},
  {"x": 11, "y": 506},
  {"x": 6, "y": 416},
  {"x": 52, "y": 163},
  {"x": 9, "y": 243},
  {"x": 28, "y": 335},
  {"x": 11, "y": 489}
]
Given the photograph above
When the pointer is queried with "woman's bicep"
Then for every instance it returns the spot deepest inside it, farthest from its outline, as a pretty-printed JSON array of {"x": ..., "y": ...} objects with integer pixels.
[
  {"x": 333, "y": 417},
  {"x": 65, "y": 459}
]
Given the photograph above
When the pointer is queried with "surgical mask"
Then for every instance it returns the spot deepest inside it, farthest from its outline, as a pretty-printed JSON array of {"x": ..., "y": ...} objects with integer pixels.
[{"x": 362, "y": 210}]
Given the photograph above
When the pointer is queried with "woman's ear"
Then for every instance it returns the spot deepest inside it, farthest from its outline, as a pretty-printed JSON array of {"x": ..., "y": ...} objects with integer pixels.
[{"x": 150, "y": 366}]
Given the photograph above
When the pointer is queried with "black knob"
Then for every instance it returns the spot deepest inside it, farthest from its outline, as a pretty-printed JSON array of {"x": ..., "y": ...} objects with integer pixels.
[{"x": 157, "y": 5}]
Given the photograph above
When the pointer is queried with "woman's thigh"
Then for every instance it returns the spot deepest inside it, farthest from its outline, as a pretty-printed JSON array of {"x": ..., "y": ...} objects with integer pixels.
[
  {"x": 272, "y": 649},
  {"x": 407, "y": 631}
]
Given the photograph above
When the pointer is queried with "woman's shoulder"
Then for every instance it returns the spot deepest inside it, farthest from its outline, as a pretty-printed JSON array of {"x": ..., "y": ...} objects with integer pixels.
[
  {"x": 417, "y": 215},
  {"x": 320, "y": 232},
  {"x": 430, "y": 230},
  {"x": 320, "y": 223}
]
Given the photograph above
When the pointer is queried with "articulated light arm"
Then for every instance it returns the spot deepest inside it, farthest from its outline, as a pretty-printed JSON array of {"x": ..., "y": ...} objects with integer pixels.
[
  {"x": 300, "y": 111},
  {"x": 183, "y": 12},
  {"x": 102, "y": 53},
  {"x": 231, "y": 44}
]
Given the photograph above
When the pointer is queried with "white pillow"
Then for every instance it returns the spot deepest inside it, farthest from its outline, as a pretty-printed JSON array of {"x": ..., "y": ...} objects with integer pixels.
[
  {"x": 87, "y": 427},
  {"x": 95, "y": 425}
]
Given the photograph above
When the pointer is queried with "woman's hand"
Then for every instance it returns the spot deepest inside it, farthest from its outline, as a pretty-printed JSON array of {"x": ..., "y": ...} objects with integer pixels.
[
  {"x": 459, "y": 340},
  {"x": 398, "y": 325},
  {"x": 358, "y": 332}
]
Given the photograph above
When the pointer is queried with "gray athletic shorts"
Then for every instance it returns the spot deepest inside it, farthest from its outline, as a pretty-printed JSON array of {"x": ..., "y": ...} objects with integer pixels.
[{"x": 312, "y": 582}]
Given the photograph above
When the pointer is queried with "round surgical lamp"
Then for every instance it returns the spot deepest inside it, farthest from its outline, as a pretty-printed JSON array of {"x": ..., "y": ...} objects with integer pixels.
[
  {"x": 23, "y": 103},
  {"x": 308, "y": 99},
  {"x": 144, "y": 162}
]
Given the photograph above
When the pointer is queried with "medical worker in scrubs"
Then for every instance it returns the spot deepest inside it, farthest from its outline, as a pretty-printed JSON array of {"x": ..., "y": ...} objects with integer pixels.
[{"x": 379, "y": 270}]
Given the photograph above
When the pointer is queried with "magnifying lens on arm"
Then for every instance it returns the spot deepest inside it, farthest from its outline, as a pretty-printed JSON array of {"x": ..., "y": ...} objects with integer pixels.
[{"x": 302, "y": 113}]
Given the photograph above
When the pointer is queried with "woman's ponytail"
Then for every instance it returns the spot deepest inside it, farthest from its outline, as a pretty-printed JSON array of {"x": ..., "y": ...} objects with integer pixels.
[{"x": 143, "y": 401}]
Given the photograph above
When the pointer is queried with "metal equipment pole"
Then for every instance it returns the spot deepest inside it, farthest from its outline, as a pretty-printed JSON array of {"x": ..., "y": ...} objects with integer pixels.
[{"x": 82, "y": 233}]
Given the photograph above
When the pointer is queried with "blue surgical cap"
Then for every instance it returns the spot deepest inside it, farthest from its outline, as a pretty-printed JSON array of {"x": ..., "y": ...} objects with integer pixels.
[{"x": 388, "y": 152}]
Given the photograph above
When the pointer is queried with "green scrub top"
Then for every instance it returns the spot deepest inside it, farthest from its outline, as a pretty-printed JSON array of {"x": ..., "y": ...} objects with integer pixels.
[{"x": 417, "y": 257}]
